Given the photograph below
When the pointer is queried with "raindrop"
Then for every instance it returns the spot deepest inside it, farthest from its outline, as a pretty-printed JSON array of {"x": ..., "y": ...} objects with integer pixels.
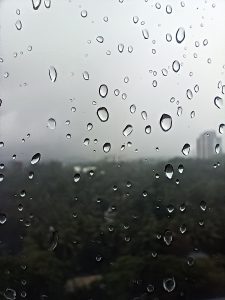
[
  {"x": 105, "y": 19},
  {"x": 132, "y": 108},
  {"x": 120, "y": 47},
  {"x": 158, "y": 5},
  {"x": 89, "y": 126},
  {"x": 51, "y": 123},
  {"x": 116, "y": 92},
  {"x": 165, "y": 122},
  {"x": 18, "y": 12},
  {"x": 169, "y": 171},
  {"x": 52, "y": 73},
  {"x": 31, "y": 175},
  {"x": 168, "y": 237},
  {"x": 148, "y": 129},
  {"x": 179, "y": 111},
  {"x": 169, "y": 284},
  {"x": 103, "y": 90},
  {"x": 176, "y": 66},
  {"x": 221, "y": 128},
  {"x": 205, "y": 42},
  {"x": 86, "y": 142},
  {"x": 135, "y": 19},
  {"x": 183, "y": 228},
  {"x": 170, "y": 208},
  {"x": 186, "y": 149},
  {"x": 54, "y": 238},
  {"x": 192, "y": 114},
  {"x": 100, "y": 39},
  {"x": 76, "y": 177},
  {"x": 130, "y": 49},
  {"x": 1, "y": 177},
  {"x": 3, "y": 218},
  {"x": 168, "y": 37},
  {"x": 145, "y": 33},
  {"x": 196, "y": 88},
  {"x": 203, "y": 205},
  {"x": 180, "y": 35},
  {"x": 29, "y": 48},
  {"x": 217, "y": 148},
  {"x": 83, "y": 13},
  {"x": 126, "y": 79},
  {"x": 47, "y": 3},
  {"x": 169, "y": 9},
  {"x": 127, "y": 130},
  {"x": 164, "y": 72},
  {"x": 36, "y": 158},
  {"x": 218, "y": 101},
  {"x": 18, "y": 25},
  {"x": 180, "y": 169},
  {"x": 36, "y": 4},
  {"x": 150, "y": 288},
  {"x": 106, "y": 147},
  {"x": 103, "y": 114},
  {"x": 10, "y": 294},
  {"x": 189, "y": 94},
  {"x": 86, "y": 75},
  {"x": 144, "y": 115}
]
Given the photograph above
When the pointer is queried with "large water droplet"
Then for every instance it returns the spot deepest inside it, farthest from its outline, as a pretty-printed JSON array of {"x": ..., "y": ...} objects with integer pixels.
[
  {"x": 106, "y": 147},
  {"x": 36, "y": 4},
  {"x": 100, "y": 39},
  {"x": 52, "y": 73},
  {"x": 189, "y": 94},
  {"x": 103, "y": 90},
  {"x": 169, "y": 9},
  {"x": 103, "y": 114},
  {"x": 127, "y": 130},
  {"x": 47, "y": 3},
  {"x": 180, "y": 35},
  {"x": 10, "y": 294},
  {"x": 186, "y": 149},
  {"x": 169, "y": 284},
  {"x": 165, "y": 122},
  {"x": 169, "y": 171},
  {"x": 145, "y": 33},
  {"x": 51, "y": 123},
  {"x": 218, "y": 101},
  {"x": 18, "y": 25},
  {"x": 176, "y": 66},
  {"x": 36, "y": 158}
]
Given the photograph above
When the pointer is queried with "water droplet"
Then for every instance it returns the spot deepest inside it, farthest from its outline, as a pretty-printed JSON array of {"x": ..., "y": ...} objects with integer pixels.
[
  {"x": 221, "y": 128},
  {"x": 165, "y": 122},
  {"x": 51, "y": 123},
  {"x": 180, "y": 169},
  {"x": 158, "y": 5},
  {"x": 127, "y": 130},
  {"x": 179, "y": 111},
  {"x": 105, "y": 19},
  {"x": 47, "y": 3},
  {"x": 150, "y": 288},
  {"x": 217, "y": 148},
  {"x": 31, "y": 175},
  {"x": 3, "y": 218},
  {"x": 18, "y": 25},
  {"x": 1, "y": 177},
  {"x": 164, "y": 72},
  {"x": 89, "y": 126},
  {"x": 169, "y": 9},
  {"x": 132, "y": 108},
  {"x": 100, "y": 39},
  {"x": 186, "y": 149},
  {"x": 183, "y": 228},
  {"x": 36, "y": 4},
  {"x": 130, "y": 49},
  {"x": 170, "y": 208},
  {"x": 169, "y": 284},
  {"x": 180, "y": 35},
  {"x": 176, "y": 66},
  {"x": 205, "y": 42},
  {"x": 192, "y": 114},
  {"x": 218, "y": 101},
  {"x": 106, "y": 147},
  {"x": 120, "y": 47},
  {"x": 144, "y": 115},
  {"x": 126, "y": 79},
  {"x": 86, "y": 142},
  {"x": 86, "y": 75},
  {"x": 10, "y": 294},
  {"x": 116, "y": 92},
  {"x": 168, "y": 37},
  {"x": 103, "y": 90},
  {"x": 189, "y": 94},
  {"x": 52, "y": 73},
  {"x": 168, "y": 237},
  {"x": 18, "y": 12},
  {"x": 145, "y": 33},
  {"x": 83, "y": 13},
  {"x": 203, "y": 205},
  {"x": 36, "y": 158},
  {"x": 98, "y": 258},
  {"x": 76, "y": 177},
  {"x": 103, "y": 114},
  {"x": 169, "y": 171},
  {"x": 53, "y": 240},
  {"x": 148, "y": 129},
  {"x": 135, "y": 19}
]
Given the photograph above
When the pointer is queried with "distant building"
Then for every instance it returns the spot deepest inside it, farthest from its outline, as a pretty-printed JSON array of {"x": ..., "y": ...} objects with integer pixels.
[{"x": 208, "y": 144}]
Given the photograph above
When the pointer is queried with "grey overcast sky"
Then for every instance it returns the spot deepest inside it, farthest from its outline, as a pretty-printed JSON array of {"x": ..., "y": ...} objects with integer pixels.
[{"x": 61, "y": 37}]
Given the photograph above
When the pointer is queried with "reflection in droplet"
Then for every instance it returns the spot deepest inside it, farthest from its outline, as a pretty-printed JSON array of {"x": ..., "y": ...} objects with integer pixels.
[
  {"x": 169, "y": 284},
  {"x": 36, "y": 158},
  {"x": 218, "y": 101},
  {"x": 51, "y": 123},
  {"x": 52, "y": 73},
  {"x": 169, "y": 171},
  {"x": 186, "y": 149},
  {"x": 165, "y": 122},
  {"x": 18, "y": 25},
  {"x": 103, "y": 114},
  {"x": 103, "y": 90},
  {"x": 180, "y": 35},
  {"x": 176, "y": 66},
  {"x": 36, "y": 4},
  {"x": 106, "y": 147},
  {"x": 127, "y": 130}
]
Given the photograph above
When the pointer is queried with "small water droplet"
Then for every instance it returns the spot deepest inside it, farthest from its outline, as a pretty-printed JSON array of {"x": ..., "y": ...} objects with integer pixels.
[
  {"x": 89, "y": 126},
  {"x": 83, "y": 13},
  {"x": 52, "y": 73},
  {"x": 36, "y": 4},
  {"x": 186, "y": 149},
  {"x": 205, "y": 42},
  {"x": 203, "y": 205},
  {"x": 176, "y": 66},
  {"x": 18, "y": 25},
  {"x": 169, "y": 9},
  {"x": 180, "y": 35},
  {"x": 103, "y": 90},
  {"x": 86, "y": 141},
  {"x": 165, "y": 122},
  {"x": 168, "y": 237},
  {"x": 53, "y": 239},
  {"x": 145, "y": 33},
  {"x": 168, "y": 37},
  {"x": 148, "y": 129},
  {"x": 3, "y": 218},
  {"x": 135, "y": 19},
  {"x": 189, "y": 94},
  {"x": 179, "y": 111},
  {"x": 169, "y": 284},
  {"x": 36, "y": 158},
  {"x": 180, "y": 169},
  {"x": 217, "y": 148},
  {"x": 128, "y": 130},
  {"x": 47, "y": 3},
  {"x": 183, "y": 228},
  {"x": 1, "y": 177},
  {"x": 103, "y": 114},
  {"x": 164, "y": 72},
  {"x": 121, "y": 48},
  {"x": 133, "y": 108},
  {"x": 76, "y": 177},
  {"x": 86, "y": 75},
  {"x": 100, "y": 39},
  {"x": 31, "y": 175},
  {"x": 51, "y": 123},
  {"x": 106, "y": 147},
  {"x": 169, "y": 171},
  {"x": 218, "y": 101},
  {"x": 10, "y": 294},
  {"x": 221, "y": 128},
  {"x": 144, "y": 115},
  {"x": 150, "y": 288}
]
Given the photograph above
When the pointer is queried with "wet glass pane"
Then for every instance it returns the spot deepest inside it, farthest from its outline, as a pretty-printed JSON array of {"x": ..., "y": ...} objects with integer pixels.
[{"x": 112, "y": 177}]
